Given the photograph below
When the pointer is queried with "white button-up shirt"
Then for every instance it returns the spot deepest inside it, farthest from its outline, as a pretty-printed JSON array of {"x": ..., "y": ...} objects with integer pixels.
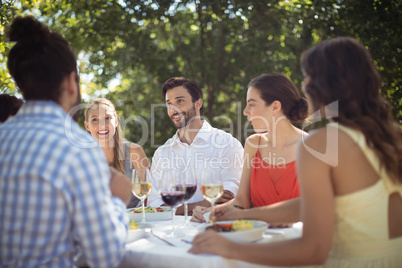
[{"x": 212, "y": 148}]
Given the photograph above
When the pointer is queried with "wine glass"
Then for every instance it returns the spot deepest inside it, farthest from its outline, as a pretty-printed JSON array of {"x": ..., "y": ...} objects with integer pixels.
[
  {"x": 191, "y": 188},
  {"x": 211, "y": 186},
  {"x": 141, "y": 186},
  {"x": 172, "y": 188}
]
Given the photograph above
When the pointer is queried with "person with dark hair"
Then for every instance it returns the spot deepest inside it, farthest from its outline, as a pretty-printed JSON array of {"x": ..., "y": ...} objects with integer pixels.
[
  {"x": 9, "y": 106},
  {"x": 192, "y": 88},
  {"x": 269, "y": 168},
  {"x": 350, "y": 172},
  {"x": 196, "y": 144},
  {"x": 59, "y": 197}
]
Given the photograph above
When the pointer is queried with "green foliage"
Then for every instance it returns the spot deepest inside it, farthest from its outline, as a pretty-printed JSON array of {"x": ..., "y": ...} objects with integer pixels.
[
  {"x": 220, "y": 44},
  {"x": 7, "y": 12}
]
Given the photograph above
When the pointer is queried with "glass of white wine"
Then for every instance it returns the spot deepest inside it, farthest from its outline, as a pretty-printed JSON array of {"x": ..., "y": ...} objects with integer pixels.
[
  {"x": 211, "y": 186},
  {"x": 141, "y": 186}
]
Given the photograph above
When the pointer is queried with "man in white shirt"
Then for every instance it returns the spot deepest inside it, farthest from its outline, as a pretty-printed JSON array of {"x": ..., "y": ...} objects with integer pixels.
[{"x": 196, "y": 144}]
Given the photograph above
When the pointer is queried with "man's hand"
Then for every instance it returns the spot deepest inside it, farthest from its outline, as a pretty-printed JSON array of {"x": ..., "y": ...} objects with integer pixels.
[
  {"x": 226, "y": 196},
  {"x": 120, "y": 185}
]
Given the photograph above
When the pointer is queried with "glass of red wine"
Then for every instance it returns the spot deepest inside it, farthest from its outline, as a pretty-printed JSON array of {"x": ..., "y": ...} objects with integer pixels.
[
  {"x": 191, "y": 188},
  {"x": 172, "y": 188}
]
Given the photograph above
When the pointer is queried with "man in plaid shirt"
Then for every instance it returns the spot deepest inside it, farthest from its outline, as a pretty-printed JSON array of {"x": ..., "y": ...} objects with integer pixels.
[{"x": 57, "y": 193}]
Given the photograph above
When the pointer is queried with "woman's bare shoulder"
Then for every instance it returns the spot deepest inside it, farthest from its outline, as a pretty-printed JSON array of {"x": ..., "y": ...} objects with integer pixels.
[
  {"x": 252, "y": 142},
  {"x": 135, "y": 148},
  {"x": 328, "y": 134},
  {"x": 325, "y": 144},
  {"x": 138, "y": 156}
]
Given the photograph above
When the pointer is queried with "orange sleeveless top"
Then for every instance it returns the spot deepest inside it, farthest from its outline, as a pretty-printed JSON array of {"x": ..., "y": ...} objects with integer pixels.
[{"x": 272, "y": 183}]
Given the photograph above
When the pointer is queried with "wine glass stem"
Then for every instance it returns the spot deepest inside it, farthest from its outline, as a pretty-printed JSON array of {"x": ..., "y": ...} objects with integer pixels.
[
  {"x": 212, "y": 206},
  {"x": 185, "y": 213},
  {"x": 173, "y": 214},
  {"x": 143, "y": 211}
]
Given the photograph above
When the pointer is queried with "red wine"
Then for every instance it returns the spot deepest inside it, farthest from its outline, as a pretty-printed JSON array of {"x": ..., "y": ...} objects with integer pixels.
[
  {"x": 190, "y": 191},
  {"x": 172, "y": 198}
]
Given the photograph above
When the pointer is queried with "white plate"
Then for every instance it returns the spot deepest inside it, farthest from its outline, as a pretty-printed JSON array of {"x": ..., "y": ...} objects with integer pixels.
[
  {"x": 248, "y": 235},
  {"x": 153, "y": 216},
  {"x": 136, "y": 234}
]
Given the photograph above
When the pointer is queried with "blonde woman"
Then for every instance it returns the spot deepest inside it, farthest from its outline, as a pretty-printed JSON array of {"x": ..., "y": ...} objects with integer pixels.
[{"x": 102, "y": 122}]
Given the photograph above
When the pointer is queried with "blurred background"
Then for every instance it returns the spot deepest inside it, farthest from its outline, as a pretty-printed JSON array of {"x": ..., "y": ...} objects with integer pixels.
[{"x": 127, "y": 49}]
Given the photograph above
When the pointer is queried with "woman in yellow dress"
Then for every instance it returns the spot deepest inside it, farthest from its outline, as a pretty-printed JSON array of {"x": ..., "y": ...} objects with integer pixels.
[{"x": 350, "y": 173}]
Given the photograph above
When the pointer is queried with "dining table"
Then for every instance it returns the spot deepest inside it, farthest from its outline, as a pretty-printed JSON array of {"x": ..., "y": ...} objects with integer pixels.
[{"x": 154, "y": 249}]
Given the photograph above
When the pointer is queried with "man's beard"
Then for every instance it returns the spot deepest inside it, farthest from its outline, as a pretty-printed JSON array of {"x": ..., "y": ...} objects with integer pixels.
[{"x": 189, "y": 117}]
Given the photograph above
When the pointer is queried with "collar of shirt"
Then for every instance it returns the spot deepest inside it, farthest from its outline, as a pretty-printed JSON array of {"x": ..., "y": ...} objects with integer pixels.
[
  {"x": 203, "y": 135},
  {"x": 36, "y": 108}
]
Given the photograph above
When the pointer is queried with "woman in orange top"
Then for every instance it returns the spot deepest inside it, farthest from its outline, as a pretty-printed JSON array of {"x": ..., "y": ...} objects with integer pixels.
[{"x": 269, "y": 175}]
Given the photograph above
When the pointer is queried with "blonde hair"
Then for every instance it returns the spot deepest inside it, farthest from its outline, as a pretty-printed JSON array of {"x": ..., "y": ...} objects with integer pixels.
[{"x": 118, "y": 150}]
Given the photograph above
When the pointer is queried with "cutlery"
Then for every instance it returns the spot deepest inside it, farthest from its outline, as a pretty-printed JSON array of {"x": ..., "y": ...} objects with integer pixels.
[
  {"x": 186, "y": 241},
  {"x": 160, "y": 238}
]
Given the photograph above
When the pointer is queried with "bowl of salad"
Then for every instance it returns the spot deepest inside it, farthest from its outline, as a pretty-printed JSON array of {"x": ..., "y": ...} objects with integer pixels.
[{"x": 151, "y": 213}]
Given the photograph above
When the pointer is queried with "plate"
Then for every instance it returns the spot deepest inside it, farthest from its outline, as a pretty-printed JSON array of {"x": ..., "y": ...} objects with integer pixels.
[
  {"x": 248, "y": 235},
  {"x": 141, "y": 232},
  {"x": 135, "y": 234},
  {"x": 153, "y": 216}
]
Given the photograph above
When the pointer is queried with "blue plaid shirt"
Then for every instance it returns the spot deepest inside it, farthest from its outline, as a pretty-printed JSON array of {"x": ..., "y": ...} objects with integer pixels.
[{"x": 54, "y": 193}]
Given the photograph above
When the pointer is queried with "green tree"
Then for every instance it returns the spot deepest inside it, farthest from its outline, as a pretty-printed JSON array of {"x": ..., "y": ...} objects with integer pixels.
[{"x": 220, "y": 44}]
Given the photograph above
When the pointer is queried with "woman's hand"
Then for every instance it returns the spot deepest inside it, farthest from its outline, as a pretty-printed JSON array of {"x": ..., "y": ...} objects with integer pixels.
[
  {"x": 198, "y": 214},
  {"x": 225, "y": 213},
  {"x": 213, "y": 243}
]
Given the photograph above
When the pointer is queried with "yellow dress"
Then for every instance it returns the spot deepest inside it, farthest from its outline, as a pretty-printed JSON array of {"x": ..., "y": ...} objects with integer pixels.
[{"x": 361, "y": 237}]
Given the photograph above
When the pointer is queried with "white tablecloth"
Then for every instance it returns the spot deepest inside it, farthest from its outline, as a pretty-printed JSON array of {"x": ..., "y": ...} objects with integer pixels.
[{"x": 152, "y": 252}]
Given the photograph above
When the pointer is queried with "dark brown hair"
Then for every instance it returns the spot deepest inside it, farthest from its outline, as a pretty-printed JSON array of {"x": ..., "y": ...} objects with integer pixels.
[
  {"x": 192, "y": 88},
  {"x": 39, "y": 60},
  {"x": 9, "y": 105},
  {"x": 341, "y": 69},
  {"x": 278, "y": 87}
]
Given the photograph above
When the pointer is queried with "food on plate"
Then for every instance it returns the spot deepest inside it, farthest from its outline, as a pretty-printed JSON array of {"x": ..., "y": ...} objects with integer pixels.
[
  {"x": 148, "y": 210},
  {"x": 219, "y": 228},
  {"x": 133, "y": 225},
  {"x": 242, "y": 225},
  {"x": 238, "y": 225},
  {"x": 280, "y": 225}
]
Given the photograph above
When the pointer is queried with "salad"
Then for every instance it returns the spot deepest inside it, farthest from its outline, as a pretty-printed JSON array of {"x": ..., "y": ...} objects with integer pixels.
[{"x": 149, "y": 210}]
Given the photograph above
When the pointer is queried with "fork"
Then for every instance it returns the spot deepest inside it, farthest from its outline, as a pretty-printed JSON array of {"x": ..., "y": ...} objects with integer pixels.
[
  {"x": 164, "y": 240},
  {"x": 186, "y": 241}
]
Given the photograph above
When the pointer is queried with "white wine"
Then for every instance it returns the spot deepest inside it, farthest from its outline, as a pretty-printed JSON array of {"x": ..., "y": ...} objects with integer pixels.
[
  {"x": 211, "y": 192},
  {"x": 141, "y": 189}
]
